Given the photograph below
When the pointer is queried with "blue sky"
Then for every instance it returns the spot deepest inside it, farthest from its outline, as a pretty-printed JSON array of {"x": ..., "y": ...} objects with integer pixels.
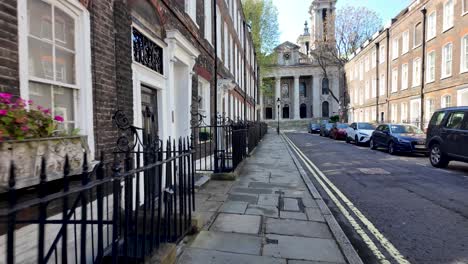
[{"x": 293, "y": 13}]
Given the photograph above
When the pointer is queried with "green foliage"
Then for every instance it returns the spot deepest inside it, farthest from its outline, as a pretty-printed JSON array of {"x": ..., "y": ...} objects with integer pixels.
[
  {"x": 19, "y": 123},
  {"x": 334, "y": 119},
  {"x": 262, "y": 16}
]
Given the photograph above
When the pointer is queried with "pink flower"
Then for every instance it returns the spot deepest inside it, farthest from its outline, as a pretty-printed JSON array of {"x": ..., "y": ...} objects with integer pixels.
[
  {"x": 25, "y": 128},
  {"x": 58, "y": 118},
  {"x": 39, "y": 107},
  {"x": 3, "y": 112},
  {"x": 30, "y": 102},
  {"x": 5, "y": 96},
  {"x": 46, "y": 111}
]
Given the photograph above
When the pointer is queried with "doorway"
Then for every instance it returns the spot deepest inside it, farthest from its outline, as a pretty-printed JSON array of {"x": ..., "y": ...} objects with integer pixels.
[
  {"x": 286, "y": 112},
  {"x": 303, "y": 111},
  {"x": 149, "y": 111}
]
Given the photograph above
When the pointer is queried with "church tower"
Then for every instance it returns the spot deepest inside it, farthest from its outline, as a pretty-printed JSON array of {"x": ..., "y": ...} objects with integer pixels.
[
  {"x": 322, "y": 14},
  {"x": 304, "y": 40}
]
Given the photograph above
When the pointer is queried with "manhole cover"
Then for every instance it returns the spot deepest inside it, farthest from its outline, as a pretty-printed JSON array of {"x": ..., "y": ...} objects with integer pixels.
[{"x": 373, "y": 171}]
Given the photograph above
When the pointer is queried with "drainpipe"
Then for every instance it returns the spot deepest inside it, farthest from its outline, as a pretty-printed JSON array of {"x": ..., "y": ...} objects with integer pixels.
[
  {"x": 377, "y": 82},
  {"x": 215, "y": 134},
  {"x": 423, "y": 65},
  {"x": 388, "y": 72},
  {"x": 245, "y": 74}
]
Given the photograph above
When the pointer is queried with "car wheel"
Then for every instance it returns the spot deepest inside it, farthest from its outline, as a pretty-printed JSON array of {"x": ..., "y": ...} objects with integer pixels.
[
  {"x": 356, "y": 141},
  {"x": 437, "y": 158},
  {"x": 372, "y": 144},
  {"x": 391, "y": 148}
]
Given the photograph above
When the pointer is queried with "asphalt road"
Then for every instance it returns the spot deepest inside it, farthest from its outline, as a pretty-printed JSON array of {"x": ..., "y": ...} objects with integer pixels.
[{"x": 421, "y": 210}]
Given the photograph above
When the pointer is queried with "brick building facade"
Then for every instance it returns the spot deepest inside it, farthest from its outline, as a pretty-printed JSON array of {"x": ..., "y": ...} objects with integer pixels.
[
  {"x": 87, "y": 59},
  {"x": 417, "y": 64}
]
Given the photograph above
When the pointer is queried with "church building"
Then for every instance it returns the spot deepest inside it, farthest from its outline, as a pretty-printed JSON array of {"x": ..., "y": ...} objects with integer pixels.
[{"x": 297, "y": 86}]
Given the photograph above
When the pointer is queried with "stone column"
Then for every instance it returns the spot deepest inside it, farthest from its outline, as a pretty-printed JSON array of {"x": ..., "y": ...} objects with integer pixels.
[
  {"x": 296, "y": 97},
  {"x": 262, "y": 109},
  {"x": 277, "y": 95},
  {"x": 316, "y": 96}
]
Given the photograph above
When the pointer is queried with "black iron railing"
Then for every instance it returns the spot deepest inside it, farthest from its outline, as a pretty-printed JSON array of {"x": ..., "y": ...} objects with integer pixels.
[
  {"x": 235, "y": 140},
  {"x": 117, "y": 212}
]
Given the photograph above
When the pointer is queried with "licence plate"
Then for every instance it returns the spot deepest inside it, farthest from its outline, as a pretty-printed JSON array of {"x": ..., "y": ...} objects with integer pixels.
[{"x": 420, "y": 146}]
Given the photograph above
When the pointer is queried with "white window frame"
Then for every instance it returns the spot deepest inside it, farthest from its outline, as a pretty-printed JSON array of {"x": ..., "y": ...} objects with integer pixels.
[
  {"x": 374, "y": 87},
  {"x": 415, "y": 45},
  {"x": 460, "y": 94},
  {"x": 208, "y": 21},
  {"x": 83, "y": 77},
  {"x": 382, "y": 88},
  {"x": 464, "y": 8},
  {"x": 431, "y": 32},
  {"x": 416, "y": 72},
  {"x": 191, "y": 10},
  {"x": 373, "y": 58},
  {"x": 464, "y": 54},
  {"x": 367, "y": 90},
  {"x": 395, "y": 48},
  {"x": 405, "y": 42},
  {"x": 226, "y": 46},
  {"x": 445, "y": 59},
  {"x": 218, "y": 31},
  {"x": 430, "y": 102},
  {"x": 382, "y": 54},
  {"x": 395, "y": 80},
  {"x": 404, "y": 76},
  {"x": 404, "y": 112},
  {"x": 446, "y": 24},
  {"x": 366, "y": 63},
  {"x": 361, "y": 70},
  {"x": 430, "y": 71},
  {"x": 443, "y": 101}
]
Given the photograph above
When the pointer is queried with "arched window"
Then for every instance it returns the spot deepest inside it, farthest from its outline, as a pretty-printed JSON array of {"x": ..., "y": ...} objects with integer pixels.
[
  {"x": 285, "y": 90},
  {"x": 268, "y": 113},
  {"x": 303, "y": 111},
  {"x": 325, "y": 86},
  {"x": 286, "y": 111},
  {"x": 446, "y": 101},
  {"x": 302, "y": 89},
  {"x": 325, "y": 109}
]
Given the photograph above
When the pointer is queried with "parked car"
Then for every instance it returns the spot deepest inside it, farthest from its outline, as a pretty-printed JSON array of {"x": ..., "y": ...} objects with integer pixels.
[
  {"x": 314, "y": 128},
  {"x": 360, "y": 133},
  {"x": 325, "y": 129},
  {"x": 399, "y": 138},
  {"x": 447, "y": 136},
  {"x": 338, "y": 131}
]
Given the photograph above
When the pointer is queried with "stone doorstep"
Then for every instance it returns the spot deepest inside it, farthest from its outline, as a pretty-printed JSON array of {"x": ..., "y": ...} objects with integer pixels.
[{"x": 202, "y": 181}]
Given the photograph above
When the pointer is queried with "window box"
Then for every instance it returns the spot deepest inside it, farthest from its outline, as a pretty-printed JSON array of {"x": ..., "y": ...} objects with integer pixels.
[{"x": 27, "y": 157}]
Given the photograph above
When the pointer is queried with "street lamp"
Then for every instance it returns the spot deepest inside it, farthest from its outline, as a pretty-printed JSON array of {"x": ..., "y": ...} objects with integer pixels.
[{"x": 278, "y": 102}]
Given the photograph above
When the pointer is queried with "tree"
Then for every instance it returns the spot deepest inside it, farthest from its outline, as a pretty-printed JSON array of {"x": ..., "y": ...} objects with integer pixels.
[
  {"x": 352, "y": 27},
  {"x": 262, "y": 16}
]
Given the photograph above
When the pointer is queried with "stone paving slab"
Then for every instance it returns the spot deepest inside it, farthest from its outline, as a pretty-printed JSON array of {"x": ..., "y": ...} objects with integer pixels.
[
  {"x": 297, "y": 228},
  {"x": 268, "y": 199},
  {"x": 202, "y": 256},
  {"x": 266, "y": 210},
  {"x": 233, "y": 223},
  {"x": 243, "y": 198},
  {"x": 293, "y": 215},
  {"x": 314, "y": 214},
  {"x": 234, "y": 207},
  {"x": 303, "y": 248},
  {"x": 228, "y": 242}
]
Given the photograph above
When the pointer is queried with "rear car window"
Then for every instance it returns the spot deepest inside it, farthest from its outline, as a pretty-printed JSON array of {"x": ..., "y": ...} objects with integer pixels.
[
  {"x": 455, "y": 120},
  {"x": 437, "y": 118}
]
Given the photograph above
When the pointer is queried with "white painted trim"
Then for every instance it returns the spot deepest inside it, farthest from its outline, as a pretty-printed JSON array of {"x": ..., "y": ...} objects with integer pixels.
[
  {"x": 459, "y": 95},
  {"x": 83, "y": 64},
  {"x": 462, "y": 55}
]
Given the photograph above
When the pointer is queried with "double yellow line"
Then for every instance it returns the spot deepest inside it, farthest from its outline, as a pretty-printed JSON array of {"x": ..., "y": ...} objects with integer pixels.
[{"x": 340, "y": 201}]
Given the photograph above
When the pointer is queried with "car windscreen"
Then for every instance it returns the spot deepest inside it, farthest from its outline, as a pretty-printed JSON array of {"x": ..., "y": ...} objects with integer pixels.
[
  {"x": 342, "y": 126},
  {"x": 328, "y": 125},
  {"x": 366, "y": 126},
  {"x": 405, "y": 129}
]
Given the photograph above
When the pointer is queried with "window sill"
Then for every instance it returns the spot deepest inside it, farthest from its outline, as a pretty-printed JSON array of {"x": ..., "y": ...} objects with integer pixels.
[
  {"x": 429, "y": 82},
  {"x": 447, "y": 29},
  {"x": 430, "y": 38},
  {"x": 464, "y": 71},
  {"x": 419, "y": 45},
  {"x": 445, "y": 77}
]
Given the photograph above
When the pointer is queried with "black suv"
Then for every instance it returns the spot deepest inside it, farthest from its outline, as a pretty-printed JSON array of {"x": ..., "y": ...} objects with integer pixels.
[{"x": 447, "y": 136}]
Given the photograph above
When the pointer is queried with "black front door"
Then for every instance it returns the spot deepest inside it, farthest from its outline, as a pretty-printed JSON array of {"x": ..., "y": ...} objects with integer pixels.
[{"x": 149, "y": 108}]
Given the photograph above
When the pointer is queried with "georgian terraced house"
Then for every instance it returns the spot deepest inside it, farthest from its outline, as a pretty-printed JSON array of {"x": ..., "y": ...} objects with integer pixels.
[
  {"x": 417, "y": 64},
  {"x": 86, "y": 59}
]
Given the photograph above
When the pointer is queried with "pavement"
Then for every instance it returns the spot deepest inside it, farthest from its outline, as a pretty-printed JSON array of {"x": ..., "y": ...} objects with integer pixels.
[
  {"x": 267, "y": 215},
  {"x": 407, "y": 208}
]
